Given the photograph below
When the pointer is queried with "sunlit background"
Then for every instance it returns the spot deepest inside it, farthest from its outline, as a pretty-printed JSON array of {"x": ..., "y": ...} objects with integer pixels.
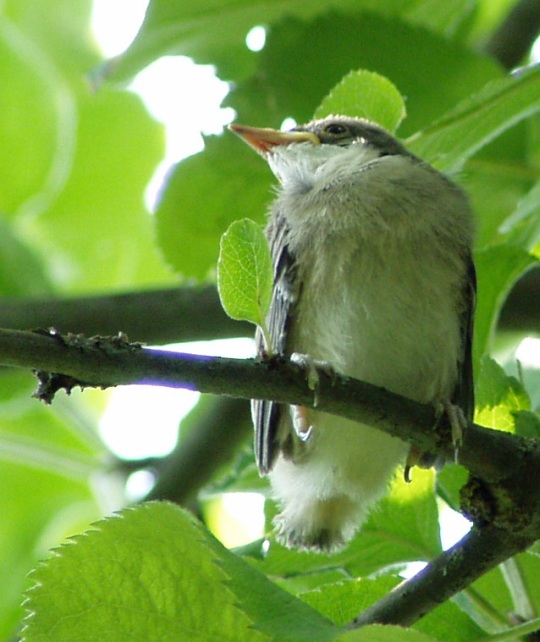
[{"x": 187, "y": 99}]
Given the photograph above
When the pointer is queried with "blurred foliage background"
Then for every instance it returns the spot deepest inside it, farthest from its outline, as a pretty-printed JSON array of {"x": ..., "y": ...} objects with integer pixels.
[{"x": 80, "y": 250}]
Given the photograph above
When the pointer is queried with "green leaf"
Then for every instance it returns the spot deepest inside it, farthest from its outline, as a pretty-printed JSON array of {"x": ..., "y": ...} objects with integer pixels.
[
  {"x": 145, "y": 574},
  {"x": 98, "y": 233},
  {"x": 342, "y": 601},
  {"x": 365, "y": 94},
  {"x": 490, "y": 601},
  {"x": 274, "y": 611},
  {"x": 60, "y": 29},
  {"x": 38, "y": 124},
  {"x": 527, "y": 424},
  {"x": 498, "y": 268},
  {"x": 495, "y": 191},
  {"x": 214, "y": 31},
  {"x": 450, "y": 480},
  {"x": 522, "y": 227},
  {"x": 403, "y": 528},
  {"x": 530, "y": 375},
  {"x": 204, "y": 195},
  {"x": 245, "y": 272},
  {"x": 22, "y": 272},
  {"x": 478, "y": 119},
  {"x": 152, "y": 573},
  {"x": 449, "y": 623},
  {"x": 387, "y": 633},
  {"x": 446, "y": 17},
  {"x": 48, "y": 492},
  {"x": 288, "y": 84},
  {"x": 498, "y": 396}
]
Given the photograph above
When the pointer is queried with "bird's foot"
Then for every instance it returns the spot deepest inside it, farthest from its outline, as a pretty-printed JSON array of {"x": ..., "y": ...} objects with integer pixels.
[
  {"x": 311, "y": 367},
  {"x": 412, "y": 460},
  {"x": 458, "y": 423},
  {"x": 425, "y": 459}
]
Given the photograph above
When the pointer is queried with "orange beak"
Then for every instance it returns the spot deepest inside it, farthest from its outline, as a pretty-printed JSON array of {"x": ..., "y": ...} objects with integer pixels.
[{"x": 263, "y": 139}]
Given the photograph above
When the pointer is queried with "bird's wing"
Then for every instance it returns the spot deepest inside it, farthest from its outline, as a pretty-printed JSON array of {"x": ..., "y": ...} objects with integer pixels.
[
  {"x": 464, "y": 390},
  {"x": 266, "y": 414}
]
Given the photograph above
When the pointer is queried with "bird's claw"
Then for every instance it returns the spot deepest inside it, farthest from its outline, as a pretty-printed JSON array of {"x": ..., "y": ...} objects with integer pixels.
[
  {"x": 300, "y": 421},
  {"x": 311, "y": 366},
  {"x": 458, "y": 423}
]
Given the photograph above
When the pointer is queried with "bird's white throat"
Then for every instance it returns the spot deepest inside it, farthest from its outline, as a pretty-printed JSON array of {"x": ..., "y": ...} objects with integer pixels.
[{"x": 301, "y": 166}]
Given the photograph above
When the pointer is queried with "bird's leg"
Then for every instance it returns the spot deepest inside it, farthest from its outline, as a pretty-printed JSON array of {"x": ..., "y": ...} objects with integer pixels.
[
  {"x": 299, "y": 414},
  {"x": 412, "y": 459},
  {"x": 458, "y": 423},
  {"x": 310, "y": 366}
]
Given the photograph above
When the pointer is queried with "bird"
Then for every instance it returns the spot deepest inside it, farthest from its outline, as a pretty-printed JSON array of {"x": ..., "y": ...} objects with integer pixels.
[{"x": 373, "y": 275}]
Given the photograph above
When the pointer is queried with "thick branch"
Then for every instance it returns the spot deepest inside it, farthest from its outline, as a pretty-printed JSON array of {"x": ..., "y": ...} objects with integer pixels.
[
  {"x": 161, "y": 316},
  {"x": 452, "y": 571},
  {"x": 491, "y": 455},
  {"x": 186, "y": 313}
]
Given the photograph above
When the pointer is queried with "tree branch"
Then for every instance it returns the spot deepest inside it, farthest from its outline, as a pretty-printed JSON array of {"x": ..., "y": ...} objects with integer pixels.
[
  {"x": 478, "y": 552},
  {"x": 166, "y": 315},
  {"x": 180, "y": 314},
  {"x": 491, "y": 455},
  {"x": 499, "y": 497}
]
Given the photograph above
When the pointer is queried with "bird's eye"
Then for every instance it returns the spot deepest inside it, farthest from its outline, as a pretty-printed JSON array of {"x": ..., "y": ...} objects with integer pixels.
[{"x": 336, "y": 129}]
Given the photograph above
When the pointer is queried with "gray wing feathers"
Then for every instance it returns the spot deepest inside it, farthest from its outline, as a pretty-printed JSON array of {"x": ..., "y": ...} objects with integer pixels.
[
  {"x": 464, "y": 391},
  {"x": 266, "y": 414}
]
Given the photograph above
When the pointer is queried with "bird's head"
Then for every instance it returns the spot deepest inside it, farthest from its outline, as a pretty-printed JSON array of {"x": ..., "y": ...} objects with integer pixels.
[{"x": 309, "y": 147}]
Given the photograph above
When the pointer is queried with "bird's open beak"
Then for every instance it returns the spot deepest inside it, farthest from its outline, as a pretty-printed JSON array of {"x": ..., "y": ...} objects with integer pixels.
[{"x": 263, "y": 139}]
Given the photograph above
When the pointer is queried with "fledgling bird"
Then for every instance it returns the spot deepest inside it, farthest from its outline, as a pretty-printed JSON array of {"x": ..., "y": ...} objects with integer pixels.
[{"x": 371, "y": 249}]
